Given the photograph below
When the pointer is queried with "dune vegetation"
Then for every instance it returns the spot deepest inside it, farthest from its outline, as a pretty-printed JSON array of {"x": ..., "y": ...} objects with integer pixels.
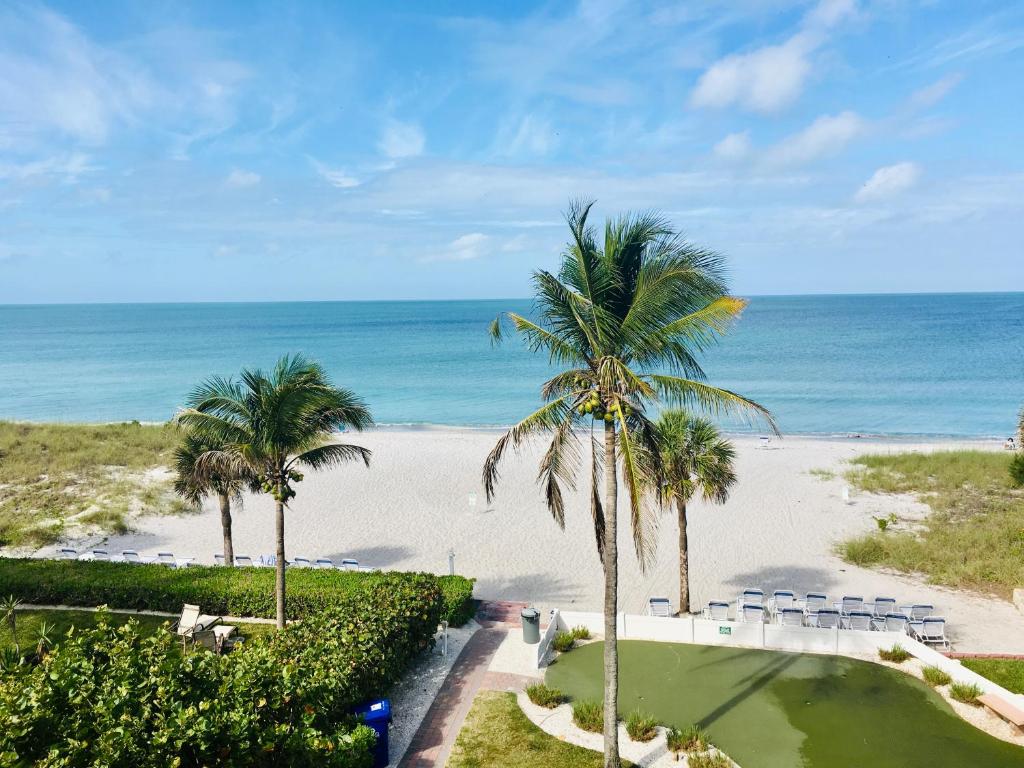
[
  {"x": 973, "y": 536},
  {"x": 55, "y": 477}
]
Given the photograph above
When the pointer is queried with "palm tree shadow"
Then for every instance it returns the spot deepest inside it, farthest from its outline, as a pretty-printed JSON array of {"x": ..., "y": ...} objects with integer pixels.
[{"x": 753, "y": 683}]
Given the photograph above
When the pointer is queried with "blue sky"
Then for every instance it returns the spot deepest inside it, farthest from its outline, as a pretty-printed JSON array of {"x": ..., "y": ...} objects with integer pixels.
[{"x": 243, "y": 151}]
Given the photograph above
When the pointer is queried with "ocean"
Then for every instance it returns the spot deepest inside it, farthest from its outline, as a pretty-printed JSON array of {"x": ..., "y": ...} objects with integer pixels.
[{"x": 923, "y": 364}]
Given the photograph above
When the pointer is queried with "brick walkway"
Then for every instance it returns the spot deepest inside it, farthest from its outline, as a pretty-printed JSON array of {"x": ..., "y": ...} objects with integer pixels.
[{"x": 433, "y": 740}]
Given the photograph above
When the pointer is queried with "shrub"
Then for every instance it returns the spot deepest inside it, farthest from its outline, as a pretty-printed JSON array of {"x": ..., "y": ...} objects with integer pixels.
[
  {"x": 1017, "y": 470},
  {"x": 935, "y": 676},
  {"x": 580, "y": 633},
  {"x": 563, "y": 642},
  {"x": 865, "y": 550},
  {"x": 690, "y": 739},
  {"x": 221, "y": 591},
  {"x": 641, "y": 727},
  {"x": 897, "y": 654},
  {"x": 543, "y": 696},
  {"x": 588, "y": 715},
  {"x": 284, "y": 699},
  {"x": 968, "y": 693},
  {"x": 708, "y": 760}
]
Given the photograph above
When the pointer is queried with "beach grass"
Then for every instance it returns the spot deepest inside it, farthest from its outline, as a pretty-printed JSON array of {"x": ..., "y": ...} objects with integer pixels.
[
  {"x": 496, "y": 734},
  {"x": 973, "y": 536},
  {"x": 54, "y": 477}
]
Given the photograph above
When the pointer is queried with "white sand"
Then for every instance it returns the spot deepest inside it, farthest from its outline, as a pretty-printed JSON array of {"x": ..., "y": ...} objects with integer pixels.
[{"x": 413, "y": 504}]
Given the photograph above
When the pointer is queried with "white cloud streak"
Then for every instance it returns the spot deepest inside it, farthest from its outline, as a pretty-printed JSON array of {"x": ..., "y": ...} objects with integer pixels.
[
  {"x": 888, "y": 181},
  {"x": 400, "y": 140}
]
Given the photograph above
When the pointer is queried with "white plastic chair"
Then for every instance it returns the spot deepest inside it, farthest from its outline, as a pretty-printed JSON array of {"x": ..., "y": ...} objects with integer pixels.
[
  {"x": 130, "y": 556},
  {"x": 791, "y": 617},
  {"x": 243, "y": 561},
  {"x": 717, "y": 610},
  {"x": 349, "y": 564},
  {"x": 815, "y": 601},
  {"x": 218, "y": 559},
  {"x": 67, "y": 554},
  {"x": 782, "y": 599},
  {"x": 302, "y": 562},
  {"x": 100, "y": 554},
  {"x": 884, "y": 605},
  {"x": 167, "y": 558},
  {"x": 921, "y": 611},
  {"x": 895, "y": 622},
  {"x": 933, "y": 632},
  {"x": 192, "y": 622},
  {"x": 752, "y": 613},
  {"x": 850, "y": 604},
  {"x": 860, "y": 620},
  {"x": 659, "y": 606},
  {"x": 826, "y": 618},
  {"x": 752, "y": 596},
  {"x": 324, "y": 562}
]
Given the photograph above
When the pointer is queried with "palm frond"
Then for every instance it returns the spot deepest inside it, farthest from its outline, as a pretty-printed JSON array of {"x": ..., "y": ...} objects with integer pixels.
[
  {"x": 714, "y": 400},
  {"x": 547, "y": 418},
  {"x": 331, "y": 455},
  {"x": 559, "y": 466}
]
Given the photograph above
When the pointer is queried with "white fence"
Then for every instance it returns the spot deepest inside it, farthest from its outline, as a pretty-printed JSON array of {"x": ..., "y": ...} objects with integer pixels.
[
  {"x": 844, "y": 642},
  {"x": 555, "y": 626}
]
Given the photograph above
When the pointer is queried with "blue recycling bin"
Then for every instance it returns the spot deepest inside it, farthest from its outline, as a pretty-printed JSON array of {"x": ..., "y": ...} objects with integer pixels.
[{"x": 377, "y": 715}]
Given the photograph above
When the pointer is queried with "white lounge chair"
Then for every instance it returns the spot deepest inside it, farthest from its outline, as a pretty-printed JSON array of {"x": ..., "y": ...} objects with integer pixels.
[
  {"x": 781, "y": 599},
  {"x": 933, "y": 632},
  {"x": 826, "y": 618},
  {"x": 130, "y": 556},
  {"x": 921, "y": 611},
  {"x": 791, "y": 617},
  {"x": 764, "y": 441},
  {"x": 815, "y": 601},
  {"x": 99, "y": 554},
  {"x": 883, "y": 605},
  {"x": 192, "y": 623},
  {"x": 860, "y": 620},
  {"x": 752, "y": 596},
  {"x": 850, "y": 604},
  {"x": 752, "y": 613},
  {"x": 218, "y": 559},
  {"x": 324, "y": 562},
  {"x": 895, "y": 622},
  {"x": 66, "y": 553},
  {"x": 717, "y": 610},
  {"x": 167, "y": 558},
  {"x": 659, "y": 606},
  {"x": 243, "y": 561},
  {"x": 348, "y": 564},
  {"x": 301, "y": 562},
  {"x": 367, "y": 569}
]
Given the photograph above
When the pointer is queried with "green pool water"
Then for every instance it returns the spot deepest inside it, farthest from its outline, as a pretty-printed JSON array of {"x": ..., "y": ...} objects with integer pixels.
[{"x": 784, "y": 710}]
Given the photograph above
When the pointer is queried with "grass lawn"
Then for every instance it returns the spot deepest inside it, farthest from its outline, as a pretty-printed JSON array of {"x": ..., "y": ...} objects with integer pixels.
[
  {"x": 1008, "y": 673},
  {"x": 768, "y": 709},
  {"x": 497, "y": 734},
  {"x": 51, "y": 472},
  {"x": 974, "y": 536},
  {"x": 62, "y": 621}
]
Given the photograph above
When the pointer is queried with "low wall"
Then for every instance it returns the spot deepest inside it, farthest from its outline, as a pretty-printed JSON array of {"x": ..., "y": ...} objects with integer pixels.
[{"x": 844, "y": 642}]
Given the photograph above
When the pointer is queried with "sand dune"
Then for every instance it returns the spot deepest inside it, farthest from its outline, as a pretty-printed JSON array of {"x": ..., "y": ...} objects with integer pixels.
[{"x": 422, "y": 496}]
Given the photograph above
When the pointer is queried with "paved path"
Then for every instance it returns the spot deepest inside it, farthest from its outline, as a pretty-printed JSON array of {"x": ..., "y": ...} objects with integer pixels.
[{"x": 433, "y": 740}]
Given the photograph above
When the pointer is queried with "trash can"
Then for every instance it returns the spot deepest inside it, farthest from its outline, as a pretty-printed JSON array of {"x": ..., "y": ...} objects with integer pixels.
[
  {"x": 531, "y": 625},
  {"x": 377, "y": 715}
]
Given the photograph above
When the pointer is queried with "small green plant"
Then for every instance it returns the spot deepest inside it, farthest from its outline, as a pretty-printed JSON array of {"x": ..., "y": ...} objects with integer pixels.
[
  {"x": 897, "y": 654},
  {"x": 967, "y": 693},
  {"x": 44, "y": 639},
  {"x": 864, "y": 550},
  {"x": 640, "y": 726},
  {"x": 580, "y": 633},
  {"x": 1017, "y": 470},
  {"x": 543, "y": 696},
  {"x": 563, "y": 642},
  {"x": 9, "y": 608},
  {"x": 690, "y": 739},
  {"x": 10, "y": 659},
  {"x": 588, "y": 715},
  {"x": 935, "y": 676},
  {"x": 708, "y": 760},
  {"x": 884, "y": 522}
]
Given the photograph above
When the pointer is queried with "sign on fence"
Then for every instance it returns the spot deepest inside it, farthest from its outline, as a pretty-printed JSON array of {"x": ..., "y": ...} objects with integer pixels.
[{"x": 725, "y": 630}]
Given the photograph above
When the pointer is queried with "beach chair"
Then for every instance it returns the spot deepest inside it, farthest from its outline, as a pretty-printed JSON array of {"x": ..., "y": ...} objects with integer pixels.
[
  {"x": 130, "y": 556},
  {"x": 752, "y": 613},
  {"x": 791, "y": 617},
  {"x": 243, "y": 561},
  {"x": 191, "y": 624},
  {"x": 65, "y": 553},
  {"x": 895, "y": 622},
  {"x": 752, "y": 596},
  {"x": 921, "y": 611},
  {"x": 826, "y": 618},
  {"x": 167, "y": 558},
  {"x": 218, "y": 559},
  {"x": 882, "y": 606},
  {"x": 100, "y": 554},
  {"x": 933, "y": 632},
  {"x": 860, "y": 620},
  {"x": 814, "y": 602},
  {"x": 367, "y": 569},
  {"x": 780, "y": 600},
  {"x": 348, "y": 564},
  {"x": 302, "y": 562},
  {"x": 850, "y": 604},
  {"x": 764, "y": 441},
  {"x": 659, "y": 606},
  {"x": 717, "y": 610},
  {"x": 324, "y": 562}
]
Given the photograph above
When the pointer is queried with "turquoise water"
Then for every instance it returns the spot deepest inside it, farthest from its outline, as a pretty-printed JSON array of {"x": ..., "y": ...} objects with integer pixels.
[{"x": 911, "y": 364}]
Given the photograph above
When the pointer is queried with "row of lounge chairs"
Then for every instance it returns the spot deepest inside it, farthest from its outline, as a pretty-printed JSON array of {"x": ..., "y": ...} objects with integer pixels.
[
  {"x": 171, "y": 560},
  {"x": 267, "y": 561}
]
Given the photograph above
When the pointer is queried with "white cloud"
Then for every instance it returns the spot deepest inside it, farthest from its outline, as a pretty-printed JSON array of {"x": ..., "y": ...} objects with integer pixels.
[
  {"x": 889, "y": 180},
  {"x": 932, "y": 94},
  {"x": 336, "y": 177},
  {"x": 401, "y": 139},
  {"x": 825, "y": 136},
  {"x": 67, "y": 168},
  {"x": 239, "y": 179},
  {"x": 464, "y": 248},
  {"x": 772, "y": 77},
  {"x": 533, "y": 136},
  {"x": 734, "y": 146}
]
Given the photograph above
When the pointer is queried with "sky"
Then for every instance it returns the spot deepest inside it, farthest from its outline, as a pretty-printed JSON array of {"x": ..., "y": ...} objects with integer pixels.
[{"x": 175, "y": 151}]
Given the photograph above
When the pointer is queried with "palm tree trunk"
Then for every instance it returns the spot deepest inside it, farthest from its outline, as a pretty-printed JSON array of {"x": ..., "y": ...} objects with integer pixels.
[
  {"x": 279, "y": 583},
  {"x": 684, "y": 560},
  {"x": 225, "y": 525},
  {"x": 611, "y": 602}
]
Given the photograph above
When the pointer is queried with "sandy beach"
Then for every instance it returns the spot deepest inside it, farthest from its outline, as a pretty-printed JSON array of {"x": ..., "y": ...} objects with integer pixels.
[{"x": 422, "y": 497}]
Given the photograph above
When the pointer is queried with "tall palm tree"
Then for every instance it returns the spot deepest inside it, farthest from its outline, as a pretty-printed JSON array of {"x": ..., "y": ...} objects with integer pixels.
[
  {"x": 624, "y": 321},
  {"x": 196, "y": 478},
  {"x": 694, "y": 458},
  {"x": 269, "y": 425}
]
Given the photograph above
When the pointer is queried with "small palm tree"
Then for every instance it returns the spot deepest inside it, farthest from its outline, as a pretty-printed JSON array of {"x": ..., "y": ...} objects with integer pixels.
[
  {"x": 196, "y": 478},
  {"x": 625, "y": 319},
  {"x": 269, "y": 424},
  {"x": 9, "y": 608},
  {"x": 44, "y": 639},
  {"x": 695, "y": 458}
]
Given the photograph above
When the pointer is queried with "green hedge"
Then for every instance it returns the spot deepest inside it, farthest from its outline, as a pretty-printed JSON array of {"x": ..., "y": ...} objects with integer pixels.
[
  {"x": 228, "y": 591},
  {"x": 110, "y": 696}
]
